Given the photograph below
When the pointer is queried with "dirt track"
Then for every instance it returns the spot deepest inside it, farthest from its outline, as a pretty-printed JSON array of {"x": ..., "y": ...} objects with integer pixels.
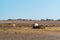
[{"x": 30, "y": 36}]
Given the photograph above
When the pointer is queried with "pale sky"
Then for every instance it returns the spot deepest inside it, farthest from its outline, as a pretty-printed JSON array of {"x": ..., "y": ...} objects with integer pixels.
[{"x": 29, "y": 9}]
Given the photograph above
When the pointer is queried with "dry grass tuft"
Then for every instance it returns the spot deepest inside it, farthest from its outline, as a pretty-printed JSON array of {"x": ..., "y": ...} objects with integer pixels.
[{"x": 29, "y": 30}]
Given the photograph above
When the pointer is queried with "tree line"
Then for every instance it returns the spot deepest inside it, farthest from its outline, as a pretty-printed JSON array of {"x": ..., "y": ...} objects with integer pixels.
[
  {"x": 50, "y": 20},
  {"x": 32, "y": 20}
]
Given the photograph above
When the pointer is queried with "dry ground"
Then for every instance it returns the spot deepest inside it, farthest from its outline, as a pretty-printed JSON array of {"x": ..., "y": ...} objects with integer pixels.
[
  {"x": 29, "y": 23},
  {"x": 30, "y": 34},
  {"x": 27, "y": 33}
]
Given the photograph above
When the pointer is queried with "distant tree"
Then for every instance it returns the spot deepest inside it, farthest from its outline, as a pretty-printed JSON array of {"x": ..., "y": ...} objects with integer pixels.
[
  {"x": 58, "y": 20},
  {"x": 30, "y": 19},
  {"x": 42, "y": 19},
  {"x": 49, "y": 20},
  {"x": 9, "y": 19},
  {"x": 23, "y": 19},
  {"x": 19, "y": 19}
]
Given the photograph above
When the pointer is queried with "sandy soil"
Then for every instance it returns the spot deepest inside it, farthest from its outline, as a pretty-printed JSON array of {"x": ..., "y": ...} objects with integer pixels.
[{"x": 33, "y": 34}]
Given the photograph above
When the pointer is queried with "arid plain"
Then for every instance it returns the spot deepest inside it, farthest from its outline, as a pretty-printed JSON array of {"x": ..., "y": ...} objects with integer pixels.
[{"x": 26, "y": 32}]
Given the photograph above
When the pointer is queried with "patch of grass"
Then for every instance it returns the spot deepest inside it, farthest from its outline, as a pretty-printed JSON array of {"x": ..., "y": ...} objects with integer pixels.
[
  {"x": 29, "y": 30},
  {"x": 53, "y": 29}
]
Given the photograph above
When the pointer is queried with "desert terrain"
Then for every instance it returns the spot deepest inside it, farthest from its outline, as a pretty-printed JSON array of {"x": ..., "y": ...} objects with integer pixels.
[{"x": 25, "y": 31}]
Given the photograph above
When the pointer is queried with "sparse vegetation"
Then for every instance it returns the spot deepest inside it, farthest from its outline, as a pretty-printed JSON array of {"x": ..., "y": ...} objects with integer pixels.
[{"x": 23, "y": 30}]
